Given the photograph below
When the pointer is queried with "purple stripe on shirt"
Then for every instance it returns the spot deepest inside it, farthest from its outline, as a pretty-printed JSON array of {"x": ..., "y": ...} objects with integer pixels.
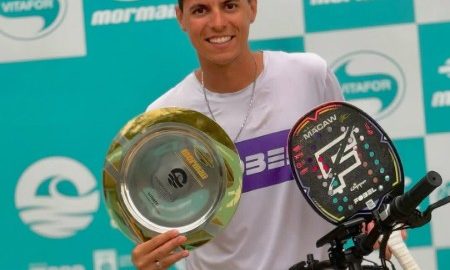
[{"x": 266, "y": 160}]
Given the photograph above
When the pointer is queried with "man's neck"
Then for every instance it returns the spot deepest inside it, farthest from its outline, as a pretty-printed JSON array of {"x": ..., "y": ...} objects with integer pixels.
[{"x": 232, "y": 77}]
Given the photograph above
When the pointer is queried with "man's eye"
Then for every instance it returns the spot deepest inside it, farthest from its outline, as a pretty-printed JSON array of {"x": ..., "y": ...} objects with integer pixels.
[
  {"x": 199, "y": 11},
  {"x": 230, "y": 6}
]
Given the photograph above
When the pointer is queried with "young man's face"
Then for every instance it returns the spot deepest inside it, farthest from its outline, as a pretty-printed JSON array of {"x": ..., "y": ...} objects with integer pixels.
[{"x": 218, "y": 29}]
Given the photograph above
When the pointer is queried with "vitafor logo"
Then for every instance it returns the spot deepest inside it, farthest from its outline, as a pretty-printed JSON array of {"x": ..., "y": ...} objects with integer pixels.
[
  {"x": 127, "y": 12},
  {"x": 56, "y": 197},
  {"x": 30, "y": 19},
  {"x": 177, "y": 178},
  {"x": 327, "y": 2},
  {"x": 372, "y": 81}
]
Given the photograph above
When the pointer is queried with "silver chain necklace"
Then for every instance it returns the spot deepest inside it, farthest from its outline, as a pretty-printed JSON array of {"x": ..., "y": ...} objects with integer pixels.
[{"x": 250, "y": 104}]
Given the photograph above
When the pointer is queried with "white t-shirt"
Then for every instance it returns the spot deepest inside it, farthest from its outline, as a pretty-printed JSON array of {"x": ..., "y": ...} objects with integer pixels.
[{"x": 274, "y": 227}]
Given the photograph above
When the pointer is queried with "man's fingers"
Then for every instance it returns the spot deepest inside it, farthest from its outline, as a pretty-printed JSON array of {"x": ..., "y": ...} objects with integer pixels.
[
  {"x": 165, "y": 250},
  {"x": 155, "y": 242},
  {"x": 376, "y": 245},
  {"x": 388, "y": 253},
  {"x": 173, "y": 258},
  {"x": 404, "y": 234},
  {"x": 162, "y": 253}
]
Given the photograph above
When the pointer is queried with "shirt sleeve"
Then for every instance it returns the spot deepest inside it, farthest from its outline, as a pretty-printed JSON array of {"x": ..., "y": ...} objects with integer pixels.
[{"x": 332, "y": 89}]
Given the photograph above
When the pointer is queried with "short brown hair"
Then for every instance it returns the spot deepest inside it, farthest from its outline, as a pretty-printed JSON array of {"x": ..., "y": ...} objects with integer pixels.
[{"x": 180, "y": 4}]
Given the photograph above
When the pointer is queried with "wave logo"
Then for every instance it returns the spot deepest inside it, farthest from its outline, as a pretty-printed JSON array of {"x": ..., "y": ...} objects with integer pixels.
[
  {"x": 372, "y": 81},
  {"x": 177, "y": 178},
  {"x": 30, "y": 19},
  {"x": 56, "y": 197}
]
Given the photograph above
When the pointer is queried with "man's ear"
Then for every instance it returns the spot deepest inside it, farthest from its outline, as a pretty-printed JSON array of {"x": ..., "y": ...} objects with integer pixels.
[
  {"x": 254, "y": 9},
  {"x": 179, "y": 14}
]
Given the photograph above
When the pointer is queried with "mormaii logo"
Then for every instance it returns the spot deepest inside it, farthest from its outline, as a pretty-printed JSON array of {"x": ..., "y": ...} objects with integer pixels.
[
  {"x": 441, "y": 98},
  {"x": 371, "y": 81},
  {"x": 56, "y": 197},
  {"x": 445, "y": 68},
  {"x": 328, "y": 2},
  {"x": 30, "y": 19},
  {"x": 127, "y": 11}
]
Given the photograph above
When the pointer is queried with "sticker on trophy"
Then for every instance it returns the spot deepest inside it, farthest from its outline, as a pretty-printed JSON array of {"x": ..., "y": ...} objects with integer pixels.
[{"x": 172, "y": 168}]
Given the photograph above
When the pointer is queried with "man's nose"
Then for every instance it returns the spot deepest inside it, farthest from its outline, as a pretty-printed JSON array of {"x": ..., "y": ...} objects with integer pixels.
[{"x": 218, "y": 20}]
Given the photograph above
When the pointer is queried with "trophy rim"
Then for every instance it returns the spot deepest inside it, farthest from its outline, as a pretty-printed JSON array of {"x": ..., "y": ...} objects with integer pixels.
[{"x": 207, "y": 226}]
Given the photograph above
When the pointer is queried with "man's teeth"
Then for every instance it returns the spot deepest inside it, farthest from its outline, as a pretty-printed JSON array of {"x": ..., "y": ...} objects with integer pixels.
[{"x": 219, "y": 40}]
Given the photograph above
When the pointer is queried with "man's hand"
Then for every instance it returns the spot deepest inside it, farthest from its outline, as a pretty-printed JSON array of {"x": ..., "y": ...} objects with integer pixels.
[
  {"x": 368, "y": 227},
  {"x": 159, "y": 252}
]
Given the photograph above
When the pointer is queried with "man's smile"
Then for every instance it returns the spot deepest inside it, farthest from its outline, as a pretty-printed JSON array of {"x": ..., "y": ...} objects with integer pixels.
[{"x": 219, "y": 39}]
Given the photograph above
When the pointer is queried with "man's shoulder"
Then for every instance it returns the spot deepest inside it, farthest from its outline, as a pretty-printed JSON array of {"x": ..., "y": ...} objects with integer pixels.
[
  {"x": 307, "y": 62},
  {"x": 300, "y": 57},
  {"x": 175, "y": 95}
]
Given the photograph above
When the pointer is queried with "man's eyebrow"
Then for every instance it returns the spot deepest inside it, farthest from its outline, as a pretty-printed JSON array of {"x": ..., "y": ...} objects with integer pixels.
[
  {"x": 229, "y": 1},
  {"x": 196, "y": 5}
]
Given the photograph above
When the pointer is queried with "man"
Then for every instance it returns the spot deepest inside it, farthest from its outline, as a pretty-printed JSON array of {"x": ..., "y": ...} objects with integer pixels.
[{"x": 256, "y": 97}]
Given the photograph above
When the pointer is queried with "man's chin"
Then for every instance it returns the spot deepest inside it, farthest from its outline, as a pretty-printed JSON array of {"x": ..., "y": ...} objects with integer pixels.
[{"x": 222, "y": 58}]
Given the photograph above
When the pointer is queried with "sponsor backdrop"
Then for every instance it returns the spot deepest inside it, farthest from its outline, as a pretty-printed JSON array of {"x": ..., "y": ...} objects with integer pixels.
[{"x": 73, "y": 72}]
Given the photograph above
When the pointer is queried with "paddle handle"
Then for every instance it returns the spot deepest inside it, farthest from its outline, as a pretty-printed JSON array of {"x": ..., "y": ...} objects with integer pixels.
[{"x": 401, "y": 252}]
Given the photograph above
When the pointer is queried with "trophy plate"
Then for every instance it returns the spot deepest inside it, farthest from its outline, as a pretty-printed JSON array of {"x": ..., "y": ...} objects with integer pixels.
[{"x": 172, "y": 168}]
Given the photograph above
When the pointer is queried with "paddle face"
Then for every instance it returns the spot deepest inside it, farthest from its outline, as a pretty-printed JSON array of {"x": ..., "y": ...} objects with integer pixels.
[{"x": 343, "y": 162}]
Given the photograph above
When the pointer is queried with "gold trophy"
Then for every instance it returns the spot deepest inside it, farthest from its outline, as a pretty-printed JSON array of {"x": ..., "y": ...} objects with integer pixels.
[{"x": 172, "y": 168}]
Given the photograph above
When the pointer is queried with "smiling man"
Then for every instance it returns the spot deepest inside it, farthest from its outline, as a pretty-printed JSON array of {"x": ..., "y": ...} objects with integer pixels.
[{"x": 256, "y": 97}]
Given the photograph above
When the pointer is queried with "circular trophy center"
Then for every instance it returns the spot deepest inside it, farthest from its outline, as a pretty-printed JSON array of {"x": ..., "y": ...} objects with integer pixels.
[{"x": 175, "y": 178}]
